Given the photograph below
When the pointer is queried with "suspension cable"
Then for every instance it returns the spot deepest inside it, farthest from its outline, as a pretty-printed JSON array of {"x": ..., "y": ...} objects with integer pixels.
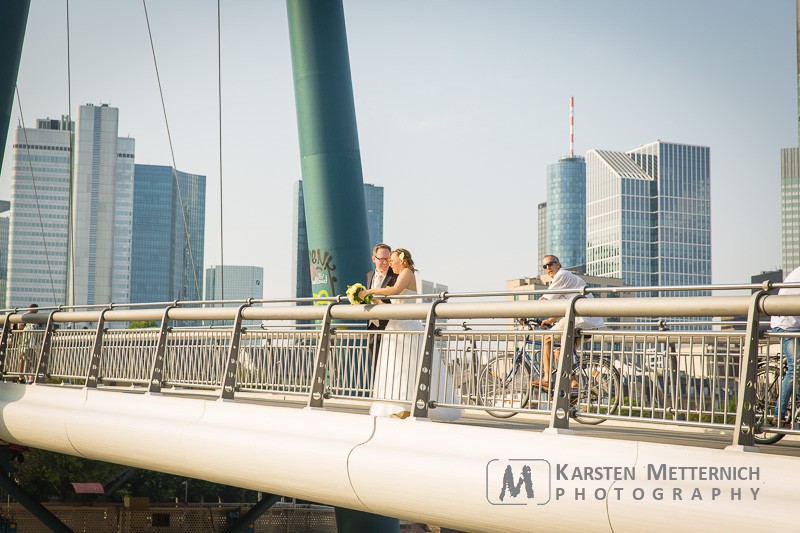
[
  {"x": 171, "y": 151},
  {"x": 70, "y": 248},
  {"x": 219, "y": 92},
  {"x": 36, "y": 197}
]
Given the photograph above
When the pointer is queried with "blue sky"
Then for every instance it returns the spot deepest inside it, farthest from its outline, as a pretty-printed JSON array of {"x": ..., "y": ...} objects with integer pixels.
[{"x": 460, "y": 105}]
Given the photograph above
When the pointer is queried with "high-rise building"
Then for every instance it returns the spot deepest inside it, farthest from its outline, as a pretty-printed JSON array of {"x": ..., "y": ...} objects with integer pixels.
[
  {"x": 301, "y": 276},
  {"x": 649, "y": 215},
  {"x": 790, "y": 208},
  {"x": 123, "y": 222},
  {"x": 39, "y": 218},
  {"x": 301, "y": 271},
  {"x": 102, "y": 202},
  {"x": 241, "y": 282},
  {"x": 566, "y": 212},
  {"x": 790, "y": 183},
  {"x": 373, "y": 199},
  {"x": 429, "y": 287},
  {"x": 541, "y": 230},
  {"x": 165, "y": 265},
  {"x": 5, "y": 205}
]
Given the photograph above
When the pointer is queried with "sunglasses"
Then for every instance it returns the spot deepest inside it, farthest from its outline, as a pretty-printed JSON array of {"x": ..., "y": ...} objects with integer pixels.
[{"x": 548, "y": 265}]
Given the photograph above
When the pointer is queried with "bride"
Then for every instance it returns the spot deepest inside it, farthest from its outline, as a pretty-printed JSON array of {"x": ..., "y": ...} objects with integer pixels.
[{"x": 398, "y": 358}]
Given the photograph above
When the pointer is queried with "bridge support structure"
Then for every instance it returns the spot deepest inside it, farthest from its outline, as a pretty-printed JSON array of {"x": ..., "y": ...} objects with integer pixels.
[
  {"x": 38, "y": 510},
  {"x": 13, "y": 20},
  {"x": 333, "y": 186}
]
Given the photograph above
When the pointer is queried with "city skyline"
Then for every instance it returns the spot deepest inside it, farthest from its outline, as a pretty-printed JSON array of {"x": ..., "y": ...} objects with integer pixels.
[{"x": 458, "y": 124}]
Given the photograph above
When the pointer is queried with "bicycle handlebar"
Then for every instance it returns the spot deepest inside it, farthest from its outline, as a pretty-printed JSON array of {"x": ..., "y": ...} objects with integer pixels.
[{"x": 533, "y": 323}]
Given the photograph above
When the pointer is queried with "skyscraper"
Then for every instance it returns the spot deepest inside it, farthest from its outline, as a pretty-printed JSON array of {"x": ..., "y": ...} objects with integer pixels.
[
  {"x": 5, "y": 205},
  {"x": 541, "y": 230},
  {"x": 373, "y": 198},
  {"x": 790, "y": 183},
  {"x": 164, "y": 267},
  {"x": 566, "y": 211},
  {"x": 790, "y": 209},
  {"x": 301, "y": 278},
  {"x": 101, "y": 209},
  {"x": 649, "y": 215},
  {"x": 241, "y": 282},
  {"x": 38, "y": 222}
]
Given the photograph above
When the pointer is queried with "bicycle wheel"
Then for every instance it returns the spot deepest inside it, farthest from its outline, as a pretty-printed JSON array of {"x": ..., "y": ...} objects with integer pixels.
[
  {"x": 598, "y": 391},
  {"x": 767, "y": 385},
  {"x": 504, "y": 382}
]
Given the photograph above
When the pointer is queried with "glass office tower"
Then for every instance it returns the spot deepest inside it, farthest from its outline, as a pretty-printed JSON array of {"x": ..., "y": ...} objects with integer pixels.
[
  {"x": 163, "y": 265},
  {"x": 649, "y": 215},
  {"x": 566, "y": 212},
  {"x": 541, "y": 230}
]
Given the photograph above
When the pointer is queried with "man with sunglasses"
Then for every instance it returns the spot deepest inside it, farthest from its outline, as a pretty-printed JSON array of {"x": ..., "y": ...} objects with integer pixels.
[{"x": 560, "y": 279}]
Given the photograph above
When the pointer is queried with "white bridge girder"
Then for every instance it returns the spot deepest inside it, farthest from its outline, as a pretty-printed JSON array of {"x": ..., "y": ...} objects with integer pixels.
[{"x": 413, "y": 469}]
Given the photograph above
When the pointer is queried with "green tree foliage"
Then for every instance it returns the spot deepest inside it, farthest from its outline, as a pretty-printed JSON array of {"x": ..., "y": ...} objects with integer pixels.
[
  {"x": 48, "y": 476},
  {"x": 142, "y": 324}
]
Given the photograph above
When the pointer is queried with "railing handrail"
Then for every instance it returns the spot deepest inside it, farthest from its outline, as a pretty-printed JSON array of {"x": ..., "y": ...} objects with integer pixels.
[
  {"x": 653, "y": 307},
  {"x": 209, "y": 358}
]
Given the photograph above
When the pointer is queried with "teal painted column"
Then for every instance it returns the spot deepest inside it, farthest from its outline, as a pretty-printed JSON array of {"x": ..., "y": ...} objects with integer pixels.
[
  {"x": 13, "y": 19},
  {"x": 333, "y": 188}
]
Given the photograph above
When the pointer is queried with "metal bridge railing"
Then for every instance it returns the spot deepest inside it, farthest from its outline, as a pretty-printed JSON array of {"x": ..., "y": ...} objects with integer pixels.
[{"x": 706, "y": 377}]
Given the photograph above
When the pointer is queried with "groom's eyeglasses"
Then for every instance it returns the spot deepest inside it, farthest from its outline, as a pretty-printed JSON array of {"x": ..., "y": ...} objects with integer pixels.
[
  {"x": 381, "y": 259},
  {"x": 549, "y": 264}
]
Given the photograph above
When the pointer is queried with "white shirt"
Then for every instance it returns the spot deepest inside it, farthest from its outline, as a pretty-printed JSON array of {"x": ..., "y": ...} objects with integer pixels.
[
  {"x": 788, "y": 323},
  {"x": 564, "y": 279},
  {"x": 377, "y": 280}
]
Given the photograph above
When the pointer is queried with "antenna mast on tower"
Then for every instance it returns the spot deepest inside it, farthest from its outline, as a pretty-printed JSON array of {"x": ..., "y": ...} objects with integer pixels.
[{"x": 572, "y": 126}]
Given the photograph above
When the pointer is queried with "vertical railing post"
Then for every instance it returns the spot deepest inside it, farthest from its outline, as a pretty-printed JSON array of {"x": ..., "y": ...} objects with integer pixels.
[
  {"x": 44, "y": 354},
  {"x": 157, "y": 369},
  {"x": 317, "y": 394},
  {"x": 232, "y": 363},
  {"x": 422, "y": 399},
  {"x": 93, "y": 375},
  {"x": 4, "y": 333},
  {"x": 745, "y": 424},
  {"x": 559, "y": 415}
]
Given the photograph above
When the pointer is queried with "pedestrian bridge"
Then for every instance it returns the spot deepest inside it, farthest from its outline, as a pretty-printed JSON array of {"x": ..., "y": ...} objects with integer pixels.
[{"x": 659, "y": 425}]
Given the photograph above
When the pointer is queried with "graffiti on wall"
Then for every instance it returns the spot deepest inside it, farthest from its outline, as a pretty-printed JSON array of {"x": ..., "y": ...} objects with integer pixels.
[{"x": 322, "y": 273}]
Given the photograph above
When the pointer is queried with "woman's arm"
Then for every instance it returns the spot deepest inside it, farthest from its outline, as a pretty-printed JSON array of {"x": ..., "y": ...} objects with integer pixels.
[{"x": 403, "y": 281}]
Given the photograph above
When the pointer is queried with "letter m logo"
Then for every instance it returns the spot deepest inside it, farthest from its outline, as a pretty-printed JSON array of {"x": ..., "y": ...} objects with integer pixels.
[{"x": 518, "y": 481}]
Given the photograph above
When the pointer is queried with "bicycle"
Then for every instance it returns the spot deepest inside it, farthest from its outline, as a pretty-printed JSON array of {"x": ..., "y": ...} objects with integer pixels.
[
  {"x": 506, "y": 382},
  {"x": 769, "y": 375}
]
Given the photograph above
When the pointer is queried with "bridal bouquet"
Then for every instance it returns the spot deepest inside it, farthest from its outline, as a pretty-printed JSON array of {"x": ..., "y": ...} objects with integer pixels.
[{"x": 352, "y": 294}]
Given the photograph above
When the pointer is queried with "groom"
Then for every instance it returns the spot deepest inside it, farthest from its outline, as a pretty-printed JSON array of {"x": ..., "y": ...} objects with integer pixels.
[{"x": 382, "y": 276}]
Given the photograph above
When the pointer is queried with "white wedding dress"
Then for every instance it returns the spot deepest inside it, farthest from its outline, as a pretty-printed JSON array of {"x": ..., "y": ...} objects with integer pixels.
[{"x": 397, "y": 368}]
